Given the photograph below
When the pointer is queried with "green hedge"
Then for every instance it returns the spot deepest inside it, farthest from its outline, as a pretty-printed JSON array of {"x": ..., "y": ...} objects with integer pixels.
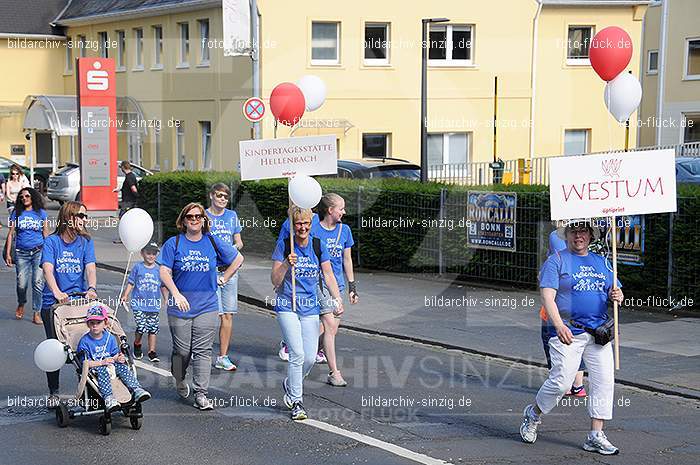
[{"x": 416, "y": 248}]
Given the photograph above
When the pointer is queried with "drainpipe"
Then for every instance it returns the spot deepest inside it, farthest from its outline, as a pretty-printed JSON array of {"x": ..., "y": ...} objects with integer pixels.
[
  {"x": 533, "y": 77},
  {"x": 662, "y": 70}
]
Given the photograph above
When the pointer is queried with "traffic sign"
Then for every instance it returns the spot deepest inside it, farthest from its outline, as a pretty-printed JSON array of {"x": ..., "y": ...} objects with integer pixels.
[{"x": 254, "y": 109}]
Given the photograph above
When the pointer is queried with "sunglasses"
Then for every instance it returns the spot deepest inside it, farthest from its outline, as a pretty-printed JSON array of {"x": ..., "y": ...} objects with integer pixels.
[
  {"x": 25, "y": 196},
  {"x": 194, "y": 217},
  {"x": 82, "y": 216},
  {"x": 14, "y": 173},
  {"x": 221, "y": 195}
]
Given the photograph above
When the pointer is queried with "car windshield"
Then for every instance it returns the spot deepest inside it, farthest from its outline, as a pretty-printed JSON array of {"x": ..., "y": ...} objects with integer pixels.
[
  {"x": 66, "y": 169},
  {"x": 407, "y": 173}
]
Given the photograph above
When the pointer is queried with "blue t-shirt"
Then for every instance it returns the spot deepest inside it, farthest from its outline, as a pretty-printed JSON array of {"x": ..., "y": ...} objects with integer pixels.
[
  {"x": 336, "y": 241},
  {"x": 582, "y": 284},
  {"x": 145, "y": 296},
  {"x": 29, "y": 228},
  {"x": 98, "y": 349},
  {"x": 194, "y": 272},
  {"x": 284, "y": 232},
  {"x": 69, "y": 262},
  {"x": 555, "y": 243},
  {"x": 306, "y": 274},
  {"x": 225, "y": 225}
]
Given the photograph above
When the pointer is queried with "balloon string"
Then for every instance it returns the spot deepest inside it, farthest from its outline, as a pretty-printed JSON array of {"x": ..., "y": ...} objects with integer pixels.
[
  {"x": 609, "y": 92},
  {"x": 119, "y": 297}
]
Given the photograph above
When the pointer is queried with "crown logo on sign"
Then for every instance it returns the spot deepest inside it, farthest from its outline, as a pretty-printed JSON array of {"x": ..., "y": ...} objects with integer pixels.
[{"x": 611, "y": 168}]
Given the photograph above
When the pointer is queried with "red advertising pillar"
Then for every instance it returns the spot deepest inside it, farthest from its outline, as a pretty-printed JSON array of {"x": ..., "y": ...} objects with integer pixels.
[{"x": 97, "y": 132}]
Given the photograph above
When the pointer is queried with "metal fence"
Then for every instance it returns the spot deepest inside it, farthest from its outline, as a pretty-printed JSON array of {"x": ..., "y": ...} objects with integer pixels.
[{"x": 481, "y": 173}]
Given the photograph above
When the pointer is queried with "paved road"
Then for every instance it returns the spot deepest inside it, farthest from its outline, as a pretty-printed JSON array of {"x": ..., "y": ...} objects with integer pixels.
[{"x": 466, "y": 409}]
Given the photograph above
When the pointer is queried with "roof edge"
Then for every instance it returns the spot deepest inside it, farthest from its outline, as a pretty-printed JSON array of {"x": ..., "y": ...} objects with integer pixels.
[
  {"x": 595, "y": 2},
  {"x": 188, "y": 5}
]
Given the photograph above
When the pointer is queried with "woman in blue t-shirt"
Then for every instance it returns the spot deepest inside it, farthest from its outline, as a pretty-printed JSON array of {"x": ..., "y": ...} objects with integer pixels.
[
  {"x": 188, "y": 269},
  {"x": 310, "y": 260},
  {"x": 68, "y": 260},
  {"x": 28, "y": 228},
  {"x": 576, "y": 286}
]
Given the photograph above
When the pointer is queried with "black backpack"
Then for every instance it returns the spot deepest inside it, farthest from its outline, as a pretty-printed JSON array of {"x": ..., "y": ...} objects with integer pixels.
[{"x": 316, "y": 244}]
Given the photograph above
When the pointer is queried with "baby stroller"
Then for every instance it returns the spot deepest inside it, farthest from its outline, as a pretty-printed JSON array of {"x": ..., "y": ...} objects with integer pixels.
[{"x": 70, "y": 326}]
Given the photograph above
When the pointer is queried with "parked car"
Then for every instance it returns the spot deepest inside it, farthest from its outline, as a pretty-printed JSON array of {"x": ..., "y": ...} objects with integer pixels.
[
  {"x": 377, "y": 168},
  {"x": 64, "y": 184},
  {"x": 688, "y": 170},
  {"x": 41, "y": 175}
]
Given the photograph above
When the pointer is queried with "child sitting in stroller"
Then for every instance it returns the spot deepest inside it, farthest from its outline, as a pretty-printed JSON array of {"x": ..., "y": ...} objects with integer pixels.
[{"x": 100, "y": 348}]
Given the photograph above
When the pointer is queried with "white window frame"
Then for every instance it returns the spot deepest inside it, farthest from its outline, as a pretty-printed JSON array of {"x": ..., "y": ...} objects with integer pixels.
[
  {"x": 686, "y": 55},
  {"x": 578, "y": 61},
  {"x": 446, "y": 145},
  {"x": 157, "y": 46},
  {"x": 138, "y": 49},
  {"x": 68, "y": 68},
  {"x": 649, "y": 70},
  {"x": 388, "y": 135},
  {"x": 207, "y": 162},
  {"x": 157, "y": 147},
  {"x": 180, "y": 155},
  {"x": 103, "y": 44},
  {"x": 588, "y": 141},
  {"x": 378, "y": 61},
  {"x": 183, "y": 59},
  {"x": 120, "y": 62},
  {"x": 331, "y": 62},
  {"x": 448, "y": 61},
  {"x": 82, "y": 42},
  {"x": 204, "y": 42},
  {"x": 685, "y": 115}
]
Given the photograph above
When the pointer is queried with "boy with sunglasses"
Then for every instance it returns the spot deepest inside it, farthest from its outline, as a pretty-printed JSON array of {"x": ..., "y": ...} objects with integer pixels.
[{"x": 224, "y": 225}]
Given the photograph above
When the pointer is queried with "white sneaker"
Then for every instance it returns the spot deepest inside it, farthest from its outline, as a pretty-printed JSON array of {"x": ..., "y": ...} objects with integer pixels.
[
  {"x": 283, "y": 352},
  {"x": 321, "y": 357},
  {"x": 528, "y": 428},
  {"x": 598, "y": 442},
  {"x": 202, "y": 402}
]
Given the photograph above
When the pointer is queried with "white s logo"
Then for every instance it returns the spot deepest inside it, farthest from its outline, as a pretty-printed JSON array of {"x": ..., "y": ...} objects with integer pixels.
[{"x": 97, "y": 79}]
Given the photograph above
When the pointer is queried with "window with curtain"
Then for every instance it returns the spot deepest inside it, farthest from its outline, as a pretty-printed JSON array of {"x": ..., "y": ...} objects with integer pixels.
[
  {"x": 203, "y": 41},
  {"x": 157, "y": 46},
  {"x": 693, "y": 58},
  {"x": 325, "y": 41},
  {"x": 579, "y": 42},
  {"x": 576, "y": 141},
  {"x": 205, "y": 128},
  {"x": 138, "y": 46}
]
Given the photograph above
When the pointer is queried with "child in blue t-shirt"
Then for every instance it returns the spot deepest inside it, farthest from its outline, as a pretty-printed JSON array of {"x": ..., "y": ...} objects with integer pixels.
[
  {"x": 100, "y": 349},
  {"x": 145, "y": 302}
]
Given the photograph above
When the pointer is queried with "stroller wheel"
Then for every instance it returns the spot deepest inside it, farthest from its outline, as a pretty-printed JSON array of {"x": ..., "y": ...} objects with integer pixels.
[
  {"x": 105, "y": 426},
  {"x": 62, "y": 415},
  {"x": 136, "y": 422}
]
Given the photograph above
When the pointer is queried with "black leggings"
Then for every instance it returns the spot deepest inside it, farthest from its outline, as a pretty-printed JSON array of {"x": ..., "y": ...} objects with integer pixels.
[{"x": 51, "y": 376}]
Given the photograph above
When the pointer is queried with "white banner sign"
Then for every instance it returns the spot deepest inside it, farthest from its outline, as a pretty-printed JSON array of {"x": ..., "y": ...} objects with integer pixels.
[
  {"x": 236, "y": 17},
  {"x": 628, "y": 183},
  {"x": 284, "y": 158}
]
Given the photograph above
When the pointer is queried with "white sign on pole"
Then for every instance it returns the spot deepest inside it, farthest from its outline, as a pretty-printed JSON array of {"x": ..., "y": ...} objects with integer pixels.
[
  {"x": 236, "y": 19},
  {"x": 284, "y": 158},
  {"x": 612, "y": 184}
]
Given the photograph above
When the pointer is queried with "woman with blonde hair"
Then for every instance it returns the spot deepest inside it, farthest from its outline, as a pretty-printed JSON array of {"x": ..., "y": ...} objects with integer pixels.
[
  {"x": 188, "y": 269},
  {"x": 16, "y": 183},
  {"x": 68, "y": 261},
  {"x": 299, "y": 321}
]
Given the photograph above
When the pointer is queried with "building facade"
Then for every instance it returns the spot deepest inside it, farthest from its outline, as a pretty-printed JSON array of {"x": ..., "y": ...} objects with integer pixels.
[{"x": 670, "y": 110}]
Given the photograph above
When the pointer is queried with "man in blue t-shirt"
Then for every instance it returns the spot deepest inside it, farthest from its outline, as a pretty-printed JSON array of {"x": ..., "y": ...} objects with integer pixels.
[
  {"x": 225, "y": 226},
  {"x": 576, "y": 286}
]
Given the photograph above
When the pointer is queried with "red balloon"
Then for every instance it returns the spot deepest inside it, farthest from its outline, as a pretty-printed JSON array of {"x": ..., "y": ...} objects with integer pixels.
[
  {"x": 610, "y": 52},
  {"x": 287, "y": 103}
]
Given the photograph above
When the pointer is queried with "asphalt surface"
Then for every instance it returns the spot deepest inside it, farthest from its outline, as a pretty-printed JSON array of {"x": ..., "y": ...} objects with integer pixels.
[{"x": 466, "y": 408}]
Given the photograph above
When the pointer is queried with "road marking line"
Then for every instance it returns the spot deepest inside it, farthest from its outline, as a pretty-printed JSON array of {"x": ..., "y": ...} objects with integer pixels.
[{"x": 394, "y": 449}]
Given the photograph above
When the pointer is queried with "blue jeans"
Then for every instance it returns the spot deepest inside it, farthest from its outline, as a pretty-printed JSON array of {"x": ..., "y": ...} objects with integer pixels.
[
  {"x": 28, "y": 264},
  {"x": 228, "y": 295},
  {"x": 300, "y": 333}
]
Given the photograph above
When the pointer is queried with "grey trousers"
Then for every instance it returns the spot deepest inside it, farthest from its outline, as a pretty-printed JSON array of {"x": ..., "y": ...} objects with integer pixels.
[{"x": 193, "y": 339}]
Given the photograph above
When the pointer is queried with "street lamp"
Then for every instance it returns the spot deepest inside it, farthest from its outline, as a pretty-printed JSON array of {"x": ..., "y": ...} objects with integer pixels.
[{"x": 423, "y": 98}]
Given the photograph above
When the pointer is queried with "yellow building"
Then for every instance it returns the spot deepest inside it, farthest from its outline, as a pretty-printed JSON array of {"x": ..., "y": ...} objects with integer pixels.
[
  {"x": 370, "y": 59},
  {"x": 670, "y": 110}
]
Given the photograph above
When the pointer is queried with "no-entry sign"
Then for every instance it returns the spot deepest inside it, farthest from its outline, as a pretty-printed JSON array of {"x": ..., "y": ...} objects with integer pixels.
[{"x": 254, "y": 109}]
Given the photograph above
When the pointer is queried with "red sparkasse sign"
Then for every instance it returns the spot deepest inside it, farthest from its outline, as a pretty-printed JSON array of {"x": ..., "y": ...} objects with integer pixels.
[
  {"x": 97, "y": 132},
  {"x": 612, "y": 184}
]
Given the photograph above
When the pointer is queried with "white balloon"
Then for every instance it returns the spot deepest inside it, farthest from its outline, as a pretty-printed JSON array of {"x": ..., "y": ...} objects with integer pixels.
[
  {"x": 314, "y": 90},
  {"x": 135, "y": 229},
  {"x": 622, "y": 96},
  {"x": 49, "y": 355},
  {"x": 305, "y": 191}
]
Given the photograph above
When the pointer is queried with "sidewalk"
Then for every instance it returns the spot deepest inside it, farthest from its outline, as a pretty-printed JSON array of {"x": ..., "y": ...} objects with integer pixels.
[{"x": 657, "y": 351}]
